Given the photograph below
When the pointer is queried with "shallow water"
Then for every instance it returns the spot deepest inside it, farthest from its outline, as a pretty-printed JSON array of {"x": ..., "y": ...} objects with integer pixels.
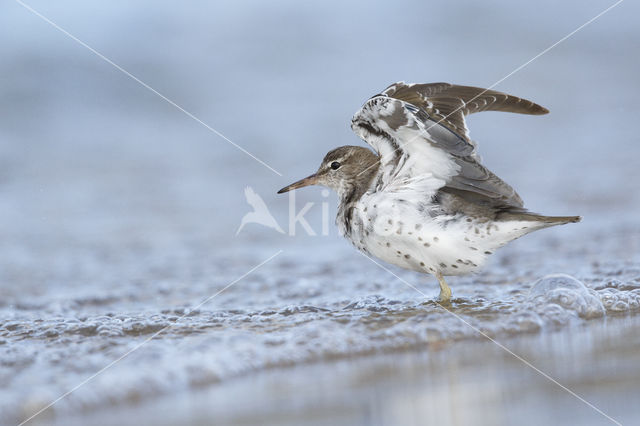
[
  {"x": 118, "y": 218},
  {"x": 321, "y": 313}
]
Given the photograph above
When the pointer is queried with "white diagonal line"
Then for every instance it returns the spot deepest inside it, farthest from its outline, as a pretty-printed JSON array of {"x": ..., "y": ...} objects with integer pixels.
[
  {"x": 402, "y": 145},
  {"x": 144, "y": 342},
  {"x": 136, "y": 79},
  {"x": 552, "y": 46},
  {"x": 500, "y": 345}
]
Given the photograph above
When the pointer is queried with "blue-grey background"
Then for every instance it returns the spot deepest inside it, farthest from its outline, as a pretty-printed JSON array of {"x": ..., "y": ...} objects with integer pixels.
[{"x": 116, "y": 208}]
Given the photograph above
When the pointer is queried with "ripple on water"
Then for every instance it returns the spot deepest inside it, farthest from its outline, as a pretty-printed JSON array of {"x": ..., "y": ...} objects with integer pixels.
[{"x": 224, "y": 343}]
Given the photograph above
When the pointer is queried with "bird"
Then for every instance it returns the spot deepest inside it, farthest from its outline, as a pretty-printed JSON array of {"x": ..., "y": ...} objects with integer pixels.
[
  {"x": 422, "y": 199},
  {"x": 260, "y": 213}
]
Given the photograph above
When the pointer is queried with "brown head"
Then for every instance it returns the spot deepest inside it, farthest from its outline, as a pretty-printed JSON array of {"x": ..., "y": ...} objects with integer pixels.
[{"x": 345, "y": 170}]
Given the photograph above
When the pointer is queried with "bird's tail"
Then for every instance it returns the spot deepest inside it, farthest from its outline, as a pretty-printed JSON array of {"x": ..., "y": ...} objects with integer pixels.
[
  {"x": 541, "y": 219},
  {"x": 561, "y": 220}
]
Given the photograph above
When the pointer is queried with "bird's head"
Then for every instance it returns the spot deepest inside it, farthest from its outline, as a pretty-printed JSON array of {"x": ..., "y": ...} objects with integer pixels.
[{"x": 342, "y": 170}]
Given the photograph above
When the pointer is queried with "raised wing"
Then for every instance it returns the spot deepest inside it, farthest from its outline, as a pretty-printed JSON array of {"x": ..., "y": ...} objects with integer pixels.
[
  {"x": 448, "y": 104},
  {"x": 418, "y": 150}
]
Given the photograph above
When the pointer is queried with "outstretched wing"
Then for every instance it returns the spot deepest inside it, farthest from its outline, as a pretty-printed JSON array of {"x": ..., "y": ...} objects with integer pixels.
[
  {"x": 448, "y": 104},
  {"x": 420, "y": 147}
]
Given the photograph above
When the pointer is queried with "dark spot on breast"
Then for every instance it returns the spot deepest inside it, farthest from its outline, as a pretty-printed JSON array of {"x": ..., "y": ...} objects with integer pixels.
[
  {"x": 365, "y": 209},
  {"x": 459, "y": 261},
  {"x": 421, "y": 263},
  {"x": 436, "y": 239},
  {"x": 390, "y": 222},
  {"x": 454, "y": 266},
  {"x": 388, "y": 244},
  {"x": 427, "y": 245},
  {"x": 468, "y": 219},
  {"x": 418, "y": 226},
  {"x": 487, "y": 252},
  {"x": 406, "y": 256},
  {"x": 477, "y": 230},
  {"x": 466, "y": 239},
  {"x": 443, "y": 265},
  {"x": 473, "y": 248}
]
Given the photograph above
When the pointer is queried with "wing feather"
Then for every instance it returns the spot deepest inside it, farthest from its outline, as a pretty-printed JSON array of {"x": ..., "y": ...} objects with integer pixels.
[
  {"x": 419, "y": 130},
  {"x": 449, "y": 104}
]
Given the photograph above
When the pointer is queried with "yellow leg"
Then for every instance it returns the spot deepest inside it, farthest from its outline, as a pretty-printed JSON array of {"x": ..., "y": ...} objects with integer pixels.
[{"x": 445, "y": 291}]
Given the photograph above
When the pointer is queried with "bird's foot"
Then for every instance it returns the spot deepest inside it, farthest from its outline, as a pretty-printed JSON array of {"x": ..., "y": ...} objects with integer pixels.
[
  {"x": 445, "y": 298},
  {"x": 445, "y": 291}
]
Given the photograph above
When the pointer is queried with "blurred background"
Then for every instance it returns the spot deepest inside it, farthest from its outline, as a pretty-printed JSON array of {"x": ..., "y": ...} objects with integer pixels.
[{"x": 118, "y": 212}]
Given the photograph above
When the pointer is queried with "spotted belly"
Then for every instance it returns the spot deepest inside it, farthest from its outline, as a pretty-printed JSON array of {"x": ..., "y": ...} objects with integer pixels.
[{"x": 412, "y": 238}]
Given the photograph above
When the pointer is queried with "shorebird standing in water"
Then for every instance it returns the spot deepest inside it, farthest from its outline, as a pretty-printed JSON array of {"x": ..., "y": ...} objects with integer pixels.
[{"x": 424, "y": 201}]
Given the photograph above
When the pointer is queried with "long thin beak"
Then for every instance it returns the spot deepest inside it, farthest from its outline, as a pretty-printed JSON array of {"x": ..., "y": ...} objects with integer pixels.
[{"x": 309, "y": 180}]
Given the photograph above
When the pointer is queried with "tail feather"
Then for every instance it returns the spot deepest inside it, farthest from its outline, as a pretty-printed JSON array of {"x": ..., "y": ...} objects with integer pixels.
[{"x": 534, "y": 217}]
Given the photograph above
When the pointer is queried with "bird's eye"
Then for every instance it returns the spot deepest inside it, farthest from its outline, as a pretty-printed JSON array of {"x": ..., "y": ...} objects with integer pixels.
[{"x": 335, "y": 165}]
